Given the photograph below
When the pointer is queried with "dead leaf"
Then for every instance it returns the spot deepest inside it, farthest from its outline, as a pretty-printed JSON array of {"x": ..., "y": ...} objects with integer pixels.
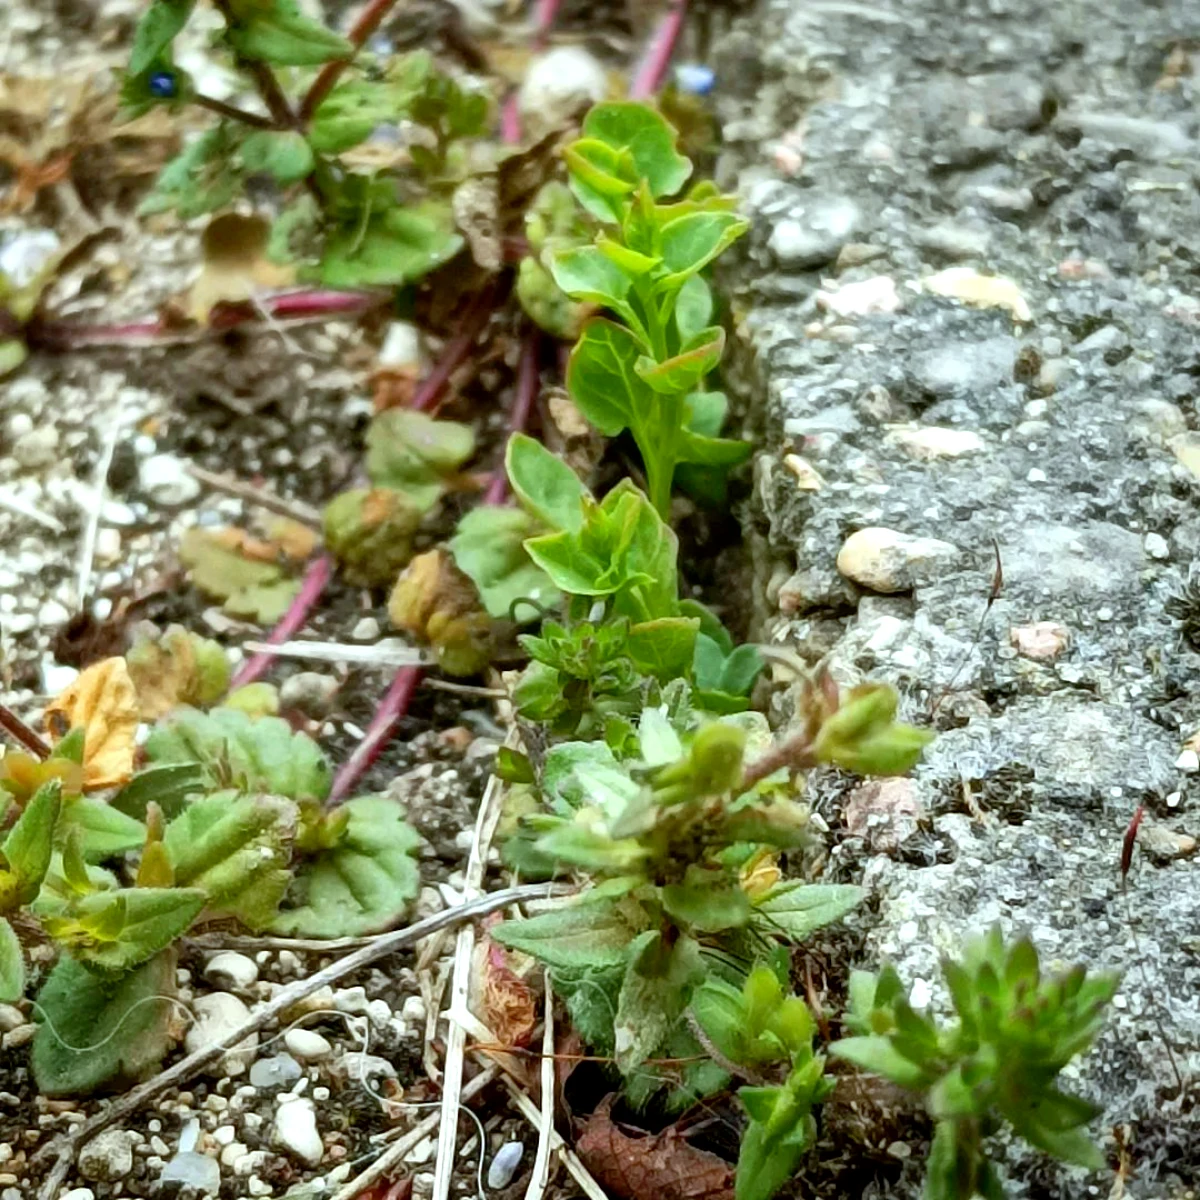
[
  {"x": 292, "y": 539},
  {"x": 506, "y": 1000},
  {"x": 103, "y": 701},
  {"x": 173, "y": 668},
  {"x": 243, "y": 571},
  {"x": 236, "y": 267},
  {"x": 476, "y": 207},
  {"x": 664, "y": 1166}
]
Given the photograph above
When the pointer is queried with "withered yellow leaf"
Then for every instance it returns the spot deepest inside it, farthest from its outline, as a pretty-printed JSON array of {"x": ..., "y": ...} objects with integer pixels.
[{"x": 104, "y": 702}]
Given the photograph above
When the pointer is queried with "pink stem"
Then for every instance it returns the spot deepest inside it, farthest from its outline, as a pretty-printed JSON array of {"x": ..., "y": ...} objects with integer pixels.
[
  {"x": 388, "y": 715},
  {"x": 368, "y": 21},
  {"x": 653, "y": 68},
  {"x": 543, "y": 21},
  {"x": 455, "y": 350},
  {"x": 318, "y": 575},
  {"x": 527, "y": 390}
]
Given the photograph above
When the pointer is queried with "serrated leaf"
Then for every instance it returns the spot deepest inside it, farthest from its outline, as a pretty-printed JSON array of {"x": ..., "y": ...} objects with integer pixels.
[
  {"x": 797, "y": 909},
  {"x": 579, "y": 935},
  {"x": 263, "y": 755},
  {"x": 160, "y": 24},
  {"x": 12, "y": 965},
  {"x": 363, "y": 884},
  {"x": 202, "y": 178},
  {"x": 544, "y": 484},
  {"x": 124, "y": 1026},
  {"x": 489, "y": 546},
  {"x": 708, "y": 901},
  {"x": 249, "y": 587},
  {"x": 237, "y": 850},
  {"x": 103, "y": 831},
  {"x": 168, "y": 785},
  {"x": 653, "y": 995}
]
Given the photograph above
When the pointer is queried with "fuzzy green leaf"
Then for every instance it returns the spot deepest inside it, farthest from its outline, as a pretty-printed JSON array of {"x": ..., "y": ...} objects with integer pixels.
[
  {"x": 282, "y": 154},
  {"x": 544, "y": 484},
  {"x": 877, "y": 1055},
  {"x": 277, "y": 32},
  {"x": 579, "y": 935},
  {"x": 707, "y": 901},
  {"x": 159, "y": 26},
  {"x": 415, "y": 454},
  {"x": 125, "y": 1023},
  {"x": 103, "y": 831},
  {"x": 797, "y": 909},
  {"x": 12, "y": 965},
  {"x": 664, "y": 647},
  {"x": 232, "y": 750},
  {"x": 250, "y": 588},
  {"x": 362, "y": 884},
  {"x": 388, "y": 248},
  {"x": 201, "y": 179},
  {"x": 168, "y": 785},
  {"x": 29, "y": 846},
  {"x": 489, "y": 546},
  {"x": 653, "y": 995}
]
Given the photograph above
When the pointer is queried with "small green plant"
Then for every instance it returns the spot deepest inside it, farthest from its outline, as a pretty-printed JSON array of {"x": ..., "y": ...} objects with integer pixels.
[
  {"x": 645, "y": 371},
  {"x": 350, "y": 217},
  {"x": 998, "y": 1062},
  {"x": 226, "y": 820}
]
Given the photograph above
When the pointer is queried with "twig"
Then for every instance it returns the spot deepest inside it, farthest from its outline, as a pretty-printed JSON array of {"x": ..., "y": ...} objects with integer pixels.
[
  {"x": 252, "y": 944},
  {"x": 485, "y": 829},
  {"x": 396, "y": 1152},
  {"x": 87, "y": 549},
  {"x": 540, "y": 1178},
  {"x": 390, "y": 652},
  {"x": 230, "y": 111},
  {"x": 653, "y": 68},
  {"x": 65, "y": 1149},
  {"x": 368, "y": 21},
  {"x": 794, "y": 752},
  {"x": 294, "y": 510},
  {"x": 315, "y": 579},
  {"x": 14, "y": 505},
  {"x": 21, "y": 733},
  {"x": 388, "y": 715},
  {"x": 453, "y": 353},
  {"x": 523, "y": 402}
]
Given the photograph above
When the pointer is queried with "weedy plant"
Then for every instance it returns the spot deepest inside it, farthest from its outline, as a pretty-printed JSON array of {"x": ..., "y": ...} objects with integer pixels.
[
  {"x": 356, "y": 211},
  {"x": 226, "y": 820},
  {"x": 997, "y": 1063}
]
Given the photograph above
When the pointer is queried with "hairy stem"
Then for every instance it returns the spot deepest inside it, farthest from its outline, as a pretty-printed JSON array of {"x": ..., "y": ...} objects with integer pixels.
[
  {"x": 794, "y": 753},
  {"x": 368, "y": 21}
]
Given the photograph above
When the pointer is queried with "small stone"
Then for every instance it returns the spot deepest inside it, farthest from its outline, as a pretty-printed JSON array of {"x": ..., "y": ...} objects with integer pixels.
[
  {"x": 1189, "y": 761},
  {"x": 308, "y": 691},
  {"x": 808, "y": 478},
  {"x": 1144, "y": 137},
  {"x": 951, "y": 241},
  {"x": 38, "y": 448},
  {"x": 1036, "y": 475},
  {"x": 21, "y": 1036},
  {"x": 307, "y": 1045},
  {"x": 231, "y": 970},
  {"x": 1163, "y": 844},
  {"x": 558, "y": 86},
  {"x": 24, "y": 256},
  {"x": 80, "y": 1193},
  {"x": 296, "y": 1130},
  {"x": 862, "y": 298},
  {"x": 108, "y": 546},
  {"x": 165, "y": 479},
  {"x": 365, "y": 630},
  {"x": 885, "y": 812},
  {"x": 1156, "y": 546},
  {"x": 401, "y": 346},
  {"x": 10, "y": 1018},
  {"x": 107, "y": 1157},
  {"x": 815, "y": 232},
  {"x": 935, "y": 441},
  {"x": 1043, "y": 640},
  {"x": 980, "y": 291},
  {"x": 886, "y": 560},
  {"x": 216, "y": 1017},
  {"x": 280, "y": 1070},
  {"x": 414, "y": 1010},
  {"x": 357, "y": 1067},
  {"x": 503, "y": 1167}
]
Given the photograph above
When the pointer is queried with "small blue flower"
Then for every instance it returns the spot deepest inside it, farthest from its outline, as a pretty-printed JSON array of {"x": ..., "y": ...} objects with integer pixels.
[
  {"x": 695, "y": 78},
  {"x": 163, "y": 84}
]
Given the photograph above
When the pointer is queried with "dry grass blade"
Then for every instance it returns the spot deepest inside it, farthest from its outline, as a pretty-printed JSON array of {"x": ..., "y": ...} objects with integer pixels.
[
  {"x": 87, "y": 549},
  {"x": 66, "y": 1148},
  {"x": 229, "y": 485},
  {"x": 541, "y": 1162}
]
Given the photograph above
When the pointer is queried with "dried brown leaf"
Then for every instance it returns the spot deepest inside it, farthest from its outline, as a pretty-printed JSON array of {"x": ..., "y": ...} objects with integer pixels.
[
  {"x": 664, "y": 1166},
  {"x": 507, "y": 1001},
  {"x": 103, "y": 701},
  {"x": 236, "y": 267}
]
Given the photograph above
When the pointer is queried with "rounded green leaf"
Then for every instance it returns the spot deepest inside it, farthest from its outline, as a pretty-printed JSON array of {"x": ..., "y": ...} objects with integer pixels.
[
  {"x": 544, "y": 484},
  {"x": 647, "y": 137}
]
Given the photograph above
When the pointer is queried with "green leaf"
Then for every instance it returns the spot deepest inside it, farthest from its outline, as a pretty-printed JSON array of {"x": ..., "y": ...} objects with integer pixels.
[
  {"x": 95, "y": 1030},
  {"x": 232, "y": 750},
  {"x": 797, "y": 909},
  {"x": 388, "y": 248},
  {"x": 13, "y": 352},
  {"x": 712, "y": 451},
  {"x": 877, "y": 1055},
  {"x": 691, "y": 242},
  {"x": 693, "y": 311},
  {"x": 571, "y": 568},
  {"x": 686, "y": 370},
  {"x": 544, "y": 484},
  {"x": 249, "y": 587},
  {"x": 277, "y": 32},
  {"x": 30, "y": 844},
  {"x": 12, "y": 965},
  {"x": 585, "y": 273},
  {"x": 653, "y": 995},
  {"x": 160, "y": 24},
  {"x": 282, "y": 154},
  {"x": 591, "y": 998},
  {"x": 645, "y": 135},
  {"x": 549, "y": 307},
  {"x": 416, "y": 454},
  {"x": 658, "y": 741},
  {"x": 363, "y": 884},
  {"x": 103, "y": 831},
  {"x": 664, "y": 647},
  {"x": 602, "y": 376},
  {"x": 202, "y": 179},
  {"x": 590, "y": 848},
  {"x": 168, "y": 786},
  {"x": 599, "y": 178},
  {"x": 579, "y": 935},
  {"x": 628, "y": 261},
  {"x": 237, "y": 849},
  {"x": 489, "y": 546},
  {"x": 370, "y": 532},
  {"x": 707, "y": 901},
  {"x": 767, "y": 1160}
]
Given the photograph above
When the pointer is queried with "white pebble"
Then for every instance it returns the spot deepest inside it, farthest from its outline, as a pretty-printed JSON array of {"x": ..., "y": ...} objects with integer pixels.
[
  {"x": 231, "y": 970},
  {"x": 1189, "y": 761},
  {"x": 296, "y": 1129},
  {"x": 307, "y": 1045},
  {"x": 504, "y": 1164}
]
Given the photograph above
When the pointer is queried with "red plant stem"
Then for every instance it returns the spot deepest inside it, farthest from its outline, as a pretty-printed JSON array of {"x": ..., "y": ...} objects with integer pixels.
[
  {"x": 453, "y": 353},
  {"x": 230, "y": 111},
  {"x": 316, "y": 578},
  {"x": 264, "y": 78},
  {"x": 510, "y": 117},
  {"x": 368, "y": 21},
  {"x": 11, "y": 724},
  {"x": 653, "y": 68},
  {"x": 527, "y": 390}
]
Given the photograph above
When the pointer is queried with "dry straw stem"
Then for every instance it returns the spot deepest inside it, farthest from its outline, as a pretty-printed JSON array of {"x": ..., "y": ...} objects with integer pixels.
[
  {"x": 295, "y": 510},
  {"x": 65, "y": 1149},
  {"x": 485, "y": 830},
  {"x": 541, "y": 1162}
]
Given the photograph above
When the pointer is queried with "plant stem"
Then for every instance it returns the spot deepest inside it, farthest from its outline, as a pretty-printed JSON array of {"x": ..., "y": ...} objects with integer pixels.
[
  {"x": 264, "y": 78},
  {"x": 21, "y": 733},
  {"x": 368, "y": 21},
  {"x": 388, "y": 715},
  {"x": 231, "y": 111},
  {"x": 653, "y": 68},
  {"x": 523, "y": 402},
  {"x": 793, "y": 752}
]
